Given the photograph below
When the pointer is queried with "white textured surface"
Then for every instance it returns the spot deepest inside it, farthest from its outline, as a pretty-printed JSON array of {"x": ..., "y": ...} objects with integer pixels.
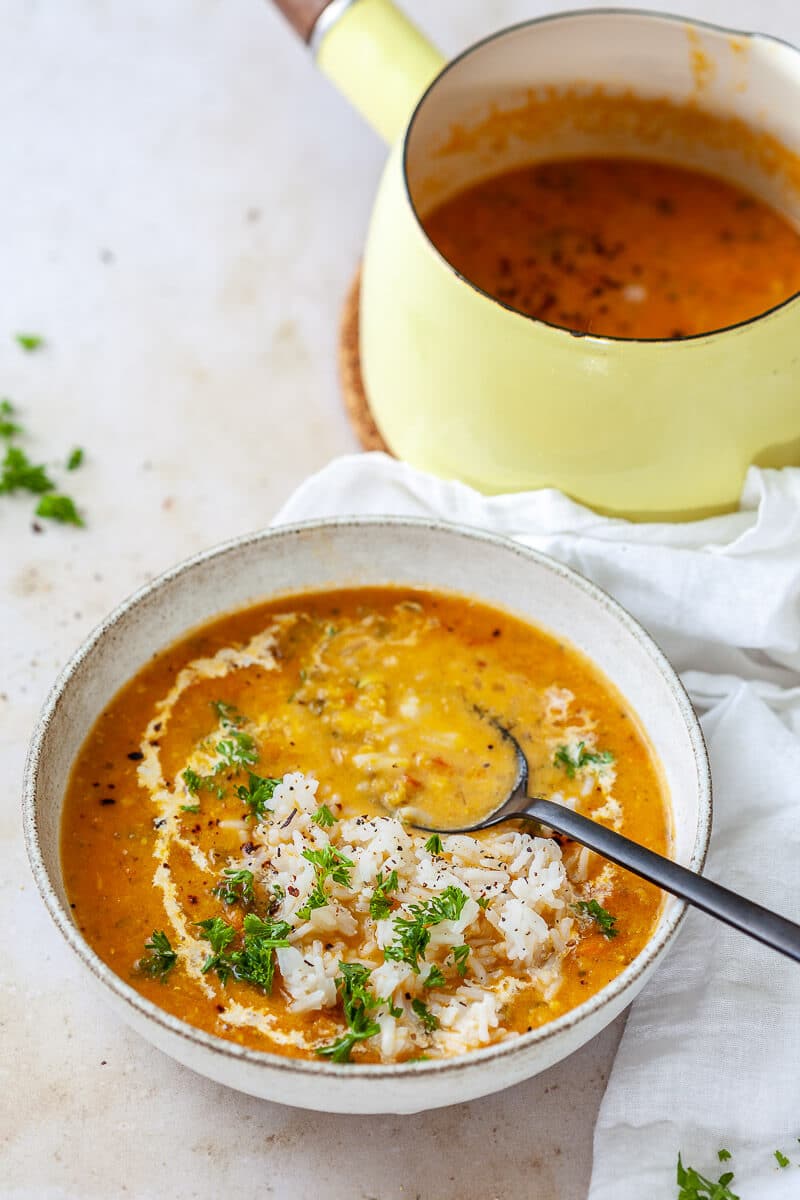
[{"x": 182, "y": 207}]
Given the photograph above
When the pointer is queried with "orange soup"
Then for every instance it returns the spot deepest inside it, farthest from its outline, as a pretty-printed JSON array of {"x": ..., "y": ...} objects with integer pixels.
[
  {"x": 621, "y": 247},
  {"x": 237, "y": 840}
]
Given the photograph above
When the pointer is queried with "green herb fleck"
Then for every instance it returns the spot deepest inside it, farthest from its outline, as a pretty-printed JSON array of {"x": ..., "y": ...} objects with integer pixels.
[
  {"x": 604, "y": 919},
  {"x": 324, "y": 817},
  {"x": 190, "y": 808},
  {"x": 583, "y": 758},
  {"x": 434, "y": 844},
  {"x": 29, "y": 341},
  {"x": 483, "y": 902},
  {"x": 8, "y": 428},
  {"x": 257, "y": 795},
  {"x": 412, "y": 934},
  {"x": 781, "y": 1159},
  {"x": 236, "y": 887},
  {"x": 75, "y": 459},
  {"x": 460, "y": 956},
  {"x": 694, "y": 1186},
  {"x": 59, "y": 508},
  {"x": 380, "y": 906},
  {"x": 160, "y": 957},
  {"x": 723, "y": 1155},
  {"x": 434, "y": 978},
  {"x": 228, "y": 714},
  {"x": 359, "y": 1004},
  {"x": 328, "y": 863},
  {"x": 19, "y": 473},
  {"x": 237, "y": 750},
  {"x": 429, "y": 1021}
]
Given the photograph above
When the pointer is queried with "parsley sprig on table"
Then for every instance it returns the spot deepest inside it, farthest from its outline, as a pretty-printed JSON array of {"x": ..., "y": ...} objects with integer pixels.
[
  {"x": 600, "y": 916},
  {"x": 413, "y": 933},
  {"x": 583, "y": 758},
  {"x": 159, "y": 958},
  {"x": 694, "y": 1186},
  {"x": 359, "y": 1005}
]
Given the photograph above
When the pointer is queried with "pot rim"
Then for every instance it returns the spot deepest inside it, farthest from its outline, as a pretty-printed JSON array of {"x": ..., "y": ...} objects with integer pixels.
[
  {"x": 665, "y": 931},
  {"x": 577, "y": 14}
]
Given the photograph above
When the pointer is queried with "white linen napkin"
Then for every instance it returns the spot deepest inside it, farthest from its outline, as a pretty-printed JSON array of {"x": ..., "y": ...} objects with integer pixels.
[{"x": 710, "y": 1057}]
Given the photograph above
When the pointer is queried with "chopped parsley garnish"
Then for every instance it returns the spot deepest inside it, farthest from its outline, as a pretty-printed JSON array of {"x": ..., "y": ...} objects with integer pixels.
[
  {"x": 8, "y": 428},
  {"x": 19, "y": 473},
  {"x": 59, "y": 508},
  {"x": 220, "y": 934},
  {"x": 781, "y": 1159},
  {"x": 190, "y": 808},
  {"x": 359, "y": 1004},
  {"x": 434, "y": 844},
  {"x": 694, "y": 1186},
  {"x": 160, "y": 957},
  {"x": 324, "y": 817},
  {"x": 460, "y": 956},
  {"x": 237, "y": 750},
  {"x": 328, "y": 863},
  {"x": 434, "y": 978},
  {"x": 604, "y": 919},
  {"x": 228, "y": 714},
  {"x": 723, "y": 1155},
  {"x": 196, "y": 783},
  {"x": 380, "y": 906},
  {"x": 412, "y": 934},
  {"x": 257, "y": 795},
  {"x": 75, "y": 459},
  {"x": 29, "y": 341},
  {"x": 429, "y": 1021},
  {"x": 583, "y": 758},
  {"x": 483, "y": 902},
  {"x": 255, "y": 962},
  {"x": 236, "y": 887}
]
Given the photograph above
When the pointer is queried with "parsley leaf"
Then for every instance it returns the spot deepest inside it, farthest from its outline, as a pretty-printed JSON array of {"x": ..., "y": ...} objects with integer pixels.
[
  {"x": 18, "y": 472},
  {"x": 694, "y": 1186},
  {"x": 324, "y": 817},
  {"x": 359, "y": 1004},
  {"x": 237, "y": 750},
  {"x": 460, "y": 956},
  {"x": 29, "y": 341},
  {"x": 412, "y": 934},
  {"x": 723, "y": 1155},
  {"x": 483, "y": 902},
  {"x": 257, "y": 795},
  {"x": 236, "y": 887},
  {"x": 220, "y": 934},
  {"x": 75, "y": 459},
  {"x": 228, "y": 714},
  {"x": 434, "y": 978},
  {"x": 434, "y": 844},
  {"x": 196, "y": 783},
  {"x": 604, "y": 919},
  {"x": 160, "y": 957},
  {"x": 380, "y": 906},
  {"x": 190, "y": 808},
  {"x": 255, "y": 962},
  {"x": 583, "y": 758},
  {"x": 429, "y": 1021},
  {"x": 781, "y": 1159},
  {"x": 59, "y": 508},
  {"x": 8, "y": 428},
  {"x": 328, "y": 863}
]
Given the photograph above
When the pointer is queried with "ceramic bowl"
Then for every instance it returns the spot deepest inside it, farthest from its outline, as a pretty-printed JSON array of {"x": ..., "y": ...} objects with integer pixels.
[{"x": 345, "y": 553}]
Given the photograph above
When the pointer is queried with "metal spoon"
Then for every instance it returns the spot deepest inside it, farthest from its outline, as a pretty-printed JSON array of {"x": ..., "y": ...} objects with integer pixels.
[{"x": 757, "y": 922}]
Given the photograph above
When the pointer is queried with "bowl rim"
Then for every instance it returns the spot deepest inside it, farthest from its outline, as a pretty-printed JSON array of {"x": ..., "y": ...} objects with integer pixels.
[{"x": 315, "y": 1069}]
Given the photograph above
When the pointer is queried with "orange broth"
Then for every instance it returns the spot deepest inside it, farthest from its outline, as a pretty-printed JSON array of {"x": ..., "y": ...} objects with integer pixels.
[
  {"x": 462, "y": 654},
  {"x": 620, "y": 247}
]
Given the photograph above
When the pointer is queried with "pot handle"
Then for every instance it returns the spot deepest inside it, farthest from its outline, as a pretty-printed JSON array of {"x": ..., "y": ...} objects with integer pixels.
[{"x": 371, "y": 52}]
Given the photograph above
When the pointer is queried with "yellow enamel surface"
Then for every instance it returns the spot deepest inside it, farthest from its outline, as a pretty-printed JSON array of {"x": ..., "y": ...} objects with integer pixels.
[
  {"x": 467, "y": 389},
  {"x": 380, "y": 62}
]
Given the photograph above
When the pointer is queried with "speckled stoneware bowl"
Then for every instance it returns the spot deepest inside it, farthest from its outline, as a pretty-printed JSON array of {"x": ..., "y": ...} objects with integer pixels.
[{"x": 343, "y": 553}]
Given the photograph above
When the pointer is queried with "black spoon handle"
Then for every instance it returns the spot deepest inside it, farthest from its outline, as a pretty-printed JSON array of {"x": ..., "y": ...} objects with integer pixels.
[{"x": 759, "y": 923}]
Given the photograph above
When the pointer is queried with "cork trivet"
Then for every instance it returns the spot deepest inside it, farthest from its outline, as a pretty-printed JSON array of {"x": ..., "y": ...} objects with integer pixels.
[{"x": 355, "y": 396}]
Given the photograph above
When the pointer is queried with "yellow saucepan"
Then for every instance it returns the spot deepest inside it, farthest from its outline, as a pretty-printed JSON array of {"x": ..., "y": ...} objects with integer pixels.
[{"x": 465, "y": 387}]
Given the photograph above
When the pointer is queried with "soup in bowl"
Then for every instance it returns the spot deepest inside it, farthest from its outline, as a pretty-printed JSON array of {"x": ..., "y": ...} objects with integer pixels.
[{"x": 220, "y": 812}]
